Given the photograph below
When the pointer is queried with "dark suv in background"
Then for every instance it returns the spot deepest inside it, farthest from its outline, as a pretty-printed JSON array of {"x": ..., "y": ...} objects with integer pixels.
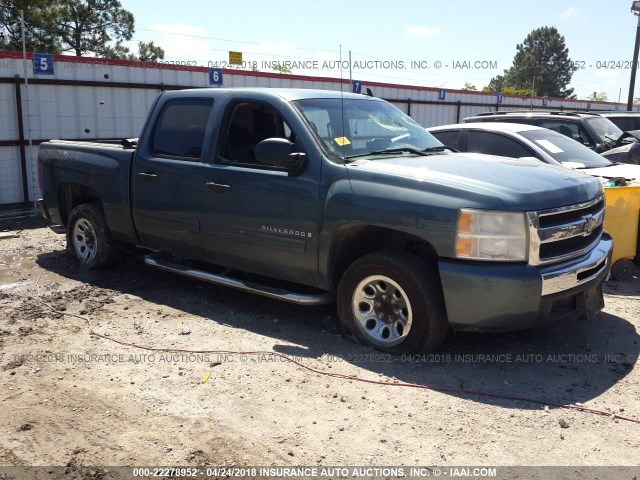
[
  {"x": 590, "y": 129},
  {"x": 626, "y": 121}
]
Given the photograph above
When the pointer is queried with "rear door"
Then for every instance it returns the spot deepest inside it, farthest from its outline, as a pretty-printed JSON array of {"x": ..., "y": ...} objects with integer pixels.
[{"x": 169, "y": 178}]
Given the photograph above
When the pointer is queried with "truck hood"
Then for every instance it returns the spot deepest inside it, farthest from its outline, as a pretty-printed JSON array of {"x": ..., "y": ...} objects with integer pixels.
[{"x": 507, "y": 183}]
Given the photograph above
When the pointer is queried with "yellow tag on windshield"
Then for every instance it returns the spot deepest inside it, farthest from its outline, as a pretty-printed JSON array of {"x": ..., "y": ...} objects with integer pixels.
[{"x": 342, "y": 141}]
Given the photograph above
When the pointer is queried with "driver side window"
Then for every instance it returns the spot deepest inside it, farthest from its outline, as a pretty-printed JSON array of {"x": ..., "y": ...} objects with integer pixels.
[{"x": 248, "y": 124}]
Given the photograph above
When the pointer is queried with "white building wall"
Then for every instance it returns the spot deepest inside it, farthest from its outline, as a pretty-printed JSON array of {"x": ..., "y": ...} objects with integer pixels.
[{"x": 117, "y": 107}]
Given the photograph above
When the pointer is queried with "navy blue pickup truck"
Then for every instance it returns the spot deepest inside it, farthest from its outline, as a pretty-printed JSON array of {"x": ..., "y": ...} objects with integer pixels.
[{"x": 314, "y": 196}]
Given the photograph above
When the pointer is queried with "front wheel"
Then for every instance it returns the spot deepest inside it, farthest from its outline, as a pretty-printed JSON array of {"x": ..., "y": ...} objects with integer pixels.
[
  {"x": 392, "y": 301},
  {"x": 88, "y": 237}
]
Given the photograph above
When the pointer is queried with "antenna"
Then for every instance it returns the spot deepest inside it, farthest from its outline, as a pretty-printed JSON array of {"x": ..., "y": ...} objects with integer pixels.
[
  {"x": 342, "y": 102},
  {"x": 340, "y": 61},
  {"x": 350, "y": 78}
]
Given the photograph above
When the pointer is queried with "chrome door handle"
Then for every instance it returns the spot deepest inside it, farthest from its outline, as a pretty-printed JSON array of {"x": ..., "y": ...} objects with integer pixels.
[{"x": 218, "y": 187}]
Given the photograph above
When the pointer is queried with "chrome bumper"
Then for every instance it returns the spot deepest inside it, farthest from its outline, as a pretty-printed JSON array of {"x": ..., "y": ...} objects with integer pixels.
[{"x": 579, "y": 271}]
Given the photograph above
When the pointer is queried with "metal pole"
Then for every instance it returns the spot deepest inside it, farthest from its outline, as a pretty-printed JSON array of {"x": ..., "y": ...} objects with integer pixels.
[
  {"x": 632, "y": 83},
  {"x": 26, "y": 93},
  {"x": 533, "y": 90}
]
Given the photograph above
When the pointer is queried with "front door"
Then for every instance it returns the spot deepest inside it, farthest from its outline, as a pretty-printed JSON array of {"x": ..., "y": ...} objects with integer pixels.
[{"x": 264, "y": 219}]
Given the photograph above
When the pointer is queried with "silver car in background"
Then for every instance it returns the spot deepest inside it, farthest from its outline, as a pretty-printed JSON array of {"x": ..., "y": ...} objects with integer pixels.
[{"x": 520, "y": 140}]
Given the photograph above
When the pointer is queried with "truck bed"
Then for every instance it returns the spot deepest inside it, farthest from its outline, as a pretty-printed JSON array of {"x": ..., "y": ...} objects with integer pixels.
[{"x": 89, "y": 169}]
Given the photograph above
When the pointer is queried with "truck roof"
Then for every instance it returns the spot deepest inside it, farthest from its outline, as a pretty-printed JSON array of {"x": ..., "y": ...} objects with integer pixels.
[{"x": 288, "y": 94}]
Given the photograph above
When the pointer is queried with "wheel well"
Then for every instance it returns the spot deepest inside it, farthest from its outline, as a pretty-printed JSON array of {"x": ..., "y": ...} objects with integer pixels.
[
  {"x": 351, "y": 243},
  {"x": 71, "y": 195}
]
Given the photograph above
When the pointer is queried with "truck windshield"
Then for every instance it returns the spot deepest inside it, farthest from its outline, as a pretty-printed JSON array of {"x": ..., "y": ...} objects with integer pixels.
[
  {"x": 605, "y": 129},
  {"x": 351, "y": 128},
  {"x": 565, "y": 150}
]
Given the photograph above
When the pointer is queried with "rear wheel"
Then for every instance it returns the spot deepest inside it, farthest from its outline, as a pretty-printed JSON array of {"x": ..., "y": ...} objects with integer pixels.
[
  {"x": 392, "y": 301},
  {"x": 88, "y": 237}
]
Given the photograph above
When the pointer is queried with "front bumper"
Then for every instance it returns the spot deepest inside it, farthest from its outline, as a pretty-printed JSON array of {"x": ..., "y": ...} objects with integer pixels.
[{"x": 503, "y": 297}]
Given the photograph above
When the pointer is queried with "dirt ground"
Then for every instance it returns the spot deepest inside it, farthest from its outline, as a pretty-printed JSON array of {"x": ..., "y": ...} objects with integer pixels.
[{"x": 71, "y": 398}]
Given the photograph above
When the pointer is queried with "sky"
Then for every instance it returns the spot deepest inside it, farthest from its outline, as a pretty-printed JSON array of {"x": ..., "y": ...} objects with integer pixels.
[{"x": 428, "y": 43}]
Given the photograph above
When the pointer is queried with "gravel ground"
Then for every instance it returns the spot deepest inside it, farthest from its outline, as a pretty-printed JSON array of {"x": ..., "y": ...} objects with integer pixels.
[{"x": 69, "y": 397}]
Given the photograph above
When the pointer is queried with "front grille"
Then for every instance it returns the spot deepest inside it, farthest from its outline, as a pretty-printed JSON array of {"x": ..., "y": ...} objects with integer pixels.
[
  {"x": 551, "y": 220},
  {"x": 567, "y": 232},
  {"x": 574, "y": 244}
]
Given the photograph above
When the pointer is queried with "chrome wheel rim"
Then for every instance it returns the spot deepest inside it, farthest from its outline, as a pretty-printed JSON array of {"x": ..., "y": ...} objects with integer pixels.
[
  {"x": 382, "y": 310},
  {"x": 84, "y": 240}
]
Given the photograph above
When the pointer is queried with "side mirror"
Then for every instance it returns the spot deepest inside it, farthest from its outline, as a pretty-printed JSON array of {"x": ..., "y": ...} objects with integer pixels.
[
  {"x": 600, "y": 148},
  {"x": 278, "y": 152}
]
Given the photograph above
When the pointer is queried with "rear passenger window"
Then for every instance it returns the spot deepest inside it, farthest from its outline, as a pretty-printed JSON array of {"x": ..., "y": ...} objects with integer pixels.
[
  {"x": 180, "y": 128},
  {"x": 495, "y": 144}
]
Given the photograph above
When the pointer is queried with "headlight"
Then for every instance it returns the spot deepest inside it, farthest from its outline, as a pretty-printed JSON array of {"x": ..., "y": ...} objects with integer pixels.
[{"x": 492, "y": 236}]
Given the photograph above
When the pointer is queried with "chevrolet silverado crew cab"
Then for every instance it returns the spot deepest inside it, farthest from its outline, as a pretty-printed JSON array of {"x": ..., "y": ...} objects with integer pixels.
[{"x": 310, "y": 196}]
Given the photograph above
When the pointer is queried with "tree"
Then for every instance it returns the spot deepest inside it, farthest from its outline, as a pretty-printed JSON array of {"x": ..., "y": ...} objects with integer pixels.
[
  {"x": 40, "y": 33},
  {"x": 469, "y": 87},
  {"x": 56, "y": 26},
  {"x": 522, "y": 92},
  {"x": 96, "y": 27},
  {"x": 598, "y": 97},
  {"x": 540, "y": 67},
  {"x": 542, "y": 62},
  {"x": 88, "y": 26},
  {"x": 118, "y": 51},
  {"x": 281, "y": 68},
  {"x": 149, "y": 52},
  {"x": 497, "y": 83}
]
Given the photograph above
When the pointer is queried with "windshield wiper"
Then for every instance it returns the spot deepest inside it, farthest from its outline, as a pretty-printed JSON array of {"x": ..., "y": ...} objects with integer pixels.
[
  {"x": 415, "y": 151},
  {"x": 441, "y": 148},
  {"x": 389, "y": 151}
]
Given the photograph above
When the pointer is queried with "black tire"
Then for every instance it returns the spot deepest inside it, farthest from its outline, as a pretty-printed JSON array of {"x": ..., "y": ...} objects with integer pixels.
[
  {"x": 418, "y": 281},
  {"x": 623, "y": 270},
  {"x": 87, "y": 221}
]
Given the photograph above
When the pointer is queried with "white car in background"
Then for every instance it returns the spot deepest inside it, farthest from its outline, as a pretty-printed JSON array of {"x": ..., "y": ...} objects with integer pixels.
[{"x": 519, "y": 140}]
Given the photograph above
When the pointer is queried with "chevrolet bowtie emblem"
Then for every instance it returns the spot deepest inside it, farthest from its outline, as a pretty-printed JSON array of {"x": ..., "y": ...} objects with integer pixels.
[{"x": 590, "y": 224}]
